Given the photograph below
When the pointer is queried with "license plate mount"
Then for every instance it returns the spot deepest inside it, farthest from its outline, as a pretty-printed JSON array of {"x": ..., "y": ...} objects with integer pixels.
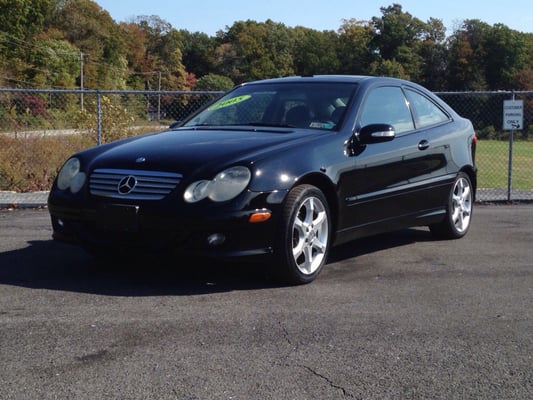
[{"x": 119, "y": 218}]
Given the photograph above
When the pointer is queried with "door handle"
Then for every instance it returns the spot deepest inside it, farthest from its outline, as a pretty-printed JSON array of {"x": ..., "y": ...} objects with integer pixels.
[{"x": 423, "y": 145}]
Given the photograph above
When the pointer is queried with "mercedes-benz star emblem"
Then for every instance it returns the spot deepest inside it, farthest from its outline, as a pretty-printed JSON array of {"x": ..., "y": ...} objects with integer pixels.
[{"x": 127, "y": 184}]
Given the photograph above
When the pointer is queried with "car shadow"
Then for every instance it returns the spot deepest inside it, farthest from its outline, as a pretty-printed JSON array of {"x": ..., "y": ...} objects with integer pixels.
[
  {"x": 372, "y": 244},
  {"x": 52, "y": 265}
]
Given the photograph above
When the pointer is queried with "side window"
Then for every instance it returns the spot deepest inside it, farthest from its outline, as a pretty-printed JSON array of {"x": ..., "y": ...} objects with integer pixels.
[
  {"x": 387, "y": 105},
  {"x": 426, "y": 112}
]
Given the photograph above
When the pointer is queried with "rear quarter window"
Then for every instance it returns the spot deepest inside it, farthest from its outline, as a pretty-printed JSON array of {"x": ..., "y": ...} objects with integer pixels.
[{"x": 426, "y": 113}]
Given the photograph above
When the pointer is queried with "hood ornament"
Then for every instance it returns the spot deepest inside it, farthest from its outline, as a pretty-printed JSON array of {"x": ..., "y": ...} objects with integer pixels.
[{"x": 140, "y": 160}]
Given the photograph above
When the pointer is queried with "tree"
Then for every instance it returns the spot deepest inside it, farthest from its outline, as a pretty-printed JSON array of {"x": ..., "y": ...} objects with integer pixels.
[
  {"x": 354, "y": 48},
  {"x": 214, "y": 82},
  {"x": 163, "y": 54},
  {"x": 434, "y": 54},
  {"x": 92, "y": 30},
  {"x": 135, "y": 42},
  {"x": 397, "y": 37},
  {"x": 505, "y": 56},
  {"x": 55, "y": 62},
  {"x": 198, "y": 52},
  {"x": 21, "y": 19},
  {"x": 315, "y": 52},
  {"x": 467, "y": 55},
  {"x": 256, "y": 50}
]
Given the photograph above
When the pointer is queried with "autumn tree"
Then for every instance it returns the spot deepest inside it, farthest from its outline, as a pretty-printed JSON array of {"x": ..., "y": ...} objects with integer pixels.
[
  {"x": 92, "y": 30},
  {"x": 162, "y": 60},
  {"x": 467, "y": 55}
]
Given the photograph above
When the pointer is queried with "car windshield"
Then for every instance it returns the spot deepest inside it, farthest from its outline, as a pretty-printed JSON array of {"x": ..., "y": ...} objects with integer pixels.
[{"x": 310, "y": 105}]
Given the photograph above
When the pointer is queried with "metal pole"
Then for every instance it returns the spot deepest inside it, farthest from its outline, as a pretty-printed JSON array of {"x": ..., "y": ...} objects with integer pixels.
[
  {"x": 159, "y": 99},
  {"x": 510, "y": 168},
  {"x": 81, "y": 81},
  {"x": 98, "y": 118}
]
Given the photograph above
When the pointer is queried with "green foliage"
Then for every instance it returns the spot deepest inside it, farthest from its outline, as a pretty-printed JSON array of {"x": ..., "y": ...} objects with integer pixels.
[
  {"x": 49, "y": 43},
  {"x": 198, "y": 52},
  {"x": 398, "y": 39},
  {"x": 116, "y": 120},
  {"x": 355, "y": 54},
  {"x": 263, "y": 50},
  {"x": 21, "y": 19},
  {"x": 214, "y": 82},
  {"x": 489, "y": 132},
  {"x": 315, "y": 52}
]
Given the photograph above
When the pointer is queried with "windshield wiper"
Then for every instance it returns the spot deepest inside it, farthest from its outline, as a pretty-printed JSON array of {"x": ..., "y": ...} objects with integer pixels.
[
  {"x": 261, "y": 124},
  {"x": 268, "y": 124}
]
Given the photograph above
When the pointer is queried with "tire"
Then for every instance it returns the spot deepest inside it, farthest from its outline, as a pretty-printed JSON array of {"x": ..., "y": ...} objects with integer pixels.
[
  {"x": 305, "y": 237},
  {"x": 458, "y": 211}
]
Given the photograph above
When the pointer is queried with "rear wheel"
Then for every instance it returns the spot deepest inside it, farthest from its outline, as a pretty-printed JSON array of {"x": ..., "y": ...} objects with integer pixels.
[
  {"x": 459, "y": 210},
  {"x": 306, "y": 234}
]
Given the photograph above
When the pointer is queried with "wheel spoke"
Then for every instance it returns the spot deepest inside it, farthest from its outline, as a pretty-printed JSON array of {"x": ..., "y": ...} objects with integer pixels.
[
  {"x": 307, "y": 265},
  {"x": 319, "y": 245},
  {"x": 320, "y": 219},
  {"x": 466, "y": 193}
]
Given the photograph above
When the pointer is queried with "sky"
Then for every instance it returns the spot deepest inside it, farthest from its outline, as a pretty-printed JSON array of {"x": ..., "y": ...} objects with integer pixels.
[{"x": 211, "y": 16}]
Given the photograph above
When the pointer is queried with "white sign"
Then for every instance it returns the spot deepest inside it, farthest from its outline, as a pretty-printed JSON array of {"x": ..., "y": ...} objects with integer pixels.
[{"x": 513, "y": 115}]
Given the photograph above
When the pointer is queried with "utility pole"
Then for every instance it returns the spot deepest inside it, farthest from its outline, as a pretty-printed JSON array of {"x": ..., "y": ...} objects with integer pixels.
[
  {"x": 149, "y": 87},
  {"x": 81, "y": 80},
  {"x": 159, "y": 98}
]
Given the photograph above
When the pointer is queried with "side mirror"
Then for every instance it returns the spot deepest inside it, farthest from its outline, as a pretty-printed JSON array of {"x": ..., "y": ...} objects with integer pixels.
[
  {"x": 375, "y": 133},
  {"x": 174, "y": 124}
]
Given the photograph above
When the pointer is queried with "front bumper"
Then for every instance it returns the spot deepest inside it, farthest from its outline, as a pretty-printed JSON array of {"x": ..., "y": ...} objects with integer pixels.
[{"x": 115, "y": 227}]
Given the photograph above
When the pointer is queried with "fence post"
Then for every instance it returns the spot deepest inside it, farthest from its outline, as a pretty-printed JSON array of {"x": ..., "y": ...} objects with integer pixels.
[
  {"x": 98, "y": 118},
  {"x": 510, "y": 168}
]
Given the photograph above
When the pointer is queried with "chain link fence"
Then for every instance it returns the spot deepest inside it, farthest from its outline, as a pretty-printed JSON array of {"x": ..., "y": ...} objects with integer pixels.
[
  {"x": 39, "y": 129},
  {"x": 504, "y": 157}
]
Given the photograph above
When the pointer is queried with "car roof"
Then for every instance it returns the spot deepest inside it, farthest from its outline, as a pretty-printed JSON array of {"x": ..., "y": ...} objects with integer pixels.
[{"x": 327, "y": 79}]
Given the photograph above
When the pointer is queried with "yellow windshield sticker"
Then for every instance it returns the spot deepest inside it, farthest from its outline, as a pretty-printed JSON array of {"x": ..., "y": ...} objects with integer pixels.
[{"x": 230, "y": 102}]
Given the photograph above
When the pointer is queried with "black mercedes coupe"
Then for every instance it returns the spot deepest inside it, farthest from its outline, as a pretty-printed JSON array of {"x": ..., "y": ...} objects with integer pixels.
[{"x": 278, "y": 170}]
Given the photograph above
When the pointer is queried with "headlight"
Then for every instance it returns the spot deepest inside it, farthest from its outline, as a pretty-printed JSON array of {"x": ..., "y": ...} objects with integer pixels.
[
  {"x": 70, "y": 176},
  {"x": 224, "y": 186}
]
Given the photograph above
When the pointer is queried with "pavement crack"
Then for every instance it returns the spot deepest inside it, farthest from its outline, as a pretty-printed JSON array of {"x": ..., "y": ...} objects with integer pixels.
[
  {"x": 332, "y": 384},
  {"x": 286, "y": 334}
]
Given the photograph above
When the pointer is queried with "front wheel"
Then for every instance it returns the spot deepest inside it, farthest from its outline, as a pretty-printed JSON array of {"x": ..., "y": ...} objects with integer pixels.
[
  {"x": 458, "y": 211},
  {"x": 305, "y": 236}
]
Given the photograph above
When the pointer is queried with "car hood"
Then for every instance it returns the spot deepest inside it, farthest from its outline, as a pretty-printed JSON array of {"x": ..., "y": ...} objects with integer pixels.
[{"x": 188, "y": 150}]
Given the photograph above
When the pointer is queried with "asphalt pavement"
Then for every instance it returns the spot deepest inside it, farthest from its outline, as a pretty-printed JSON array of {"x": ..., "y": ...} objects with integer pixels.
[{"x": 396, "y": 316}]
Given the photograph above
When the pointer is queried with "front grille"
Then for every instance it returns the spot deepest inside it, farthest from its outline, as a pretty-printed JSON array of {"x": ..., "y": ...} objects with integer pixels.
[{"x": 146, "y": 185}]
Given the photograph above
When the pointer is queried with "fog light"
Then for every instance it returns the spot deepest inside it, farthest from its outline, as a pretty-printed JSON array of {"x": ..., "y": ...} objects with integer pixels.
[{"x": 216, "y": 239}]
